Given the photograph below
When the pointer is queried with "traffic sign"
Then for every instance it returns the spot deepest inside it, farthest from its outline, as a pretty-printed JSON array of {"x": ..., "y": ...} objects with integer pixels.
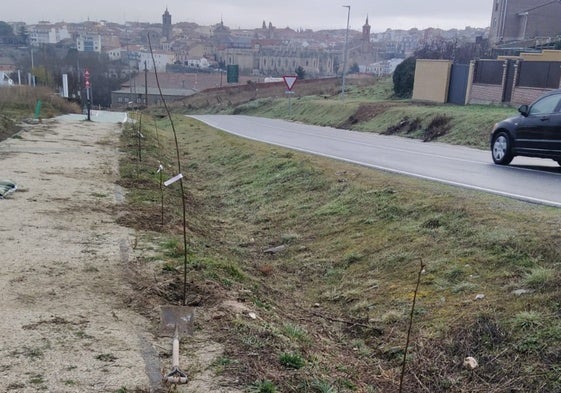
[{"x": 289, "y": 81}]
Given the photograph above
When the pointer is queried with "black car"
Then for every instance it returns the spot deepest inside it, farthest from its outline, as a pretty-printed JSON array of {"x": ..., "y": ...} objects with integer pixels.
[{"x": 536, "y": 132}]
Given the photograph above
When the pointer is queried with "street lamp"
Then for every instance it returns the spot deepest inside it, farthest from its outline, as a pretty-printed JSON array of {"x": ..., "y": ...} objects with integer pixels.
[{"x": 348, "y": 7}]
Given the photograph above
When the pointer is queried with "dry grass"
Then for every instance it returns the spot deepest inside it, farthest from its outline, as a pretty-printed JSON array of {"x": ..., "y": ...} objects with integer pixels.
[
  {"x": 347, "y": 275},
  {"x": 20, "y": 101}
]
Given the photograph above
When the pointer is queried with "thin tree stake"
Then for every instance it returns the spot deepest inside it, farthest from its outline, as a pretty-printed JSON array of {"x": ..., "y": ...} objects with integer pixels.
[
  {"x": 139, "y": 135},
  {"x": 410, "y": 327},
  {"x": 179, "y": 172}
]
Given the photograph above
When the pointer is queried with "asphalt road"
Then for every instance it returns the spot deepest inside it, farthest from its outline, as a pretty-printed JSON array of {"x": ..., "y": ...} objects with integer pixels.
[{"x": 527, "y": 179}]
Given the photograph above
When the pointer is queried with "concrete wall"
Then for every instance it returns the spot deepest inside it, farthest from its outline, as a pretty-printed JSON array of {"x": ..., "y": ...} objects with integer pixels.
[{"x": 432, "y": 78}]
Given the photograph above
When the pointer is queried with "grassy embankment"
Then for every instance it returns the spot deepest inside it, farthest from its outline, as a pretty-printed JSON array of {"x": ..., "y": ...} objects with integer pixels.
[
  {"x": 371, "y": 110},
  {"x": 332, "y": 308},
  {"x": 19, "y": 102}
]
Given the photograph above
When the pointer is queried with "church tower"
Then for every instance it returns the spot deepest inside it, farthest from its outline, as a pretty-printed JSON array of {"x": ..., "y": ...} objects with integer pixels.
[
  {"x": 366, "y": 31},
  {"x": 366, "y": 47},
  {"x": 166, "y": 24}
]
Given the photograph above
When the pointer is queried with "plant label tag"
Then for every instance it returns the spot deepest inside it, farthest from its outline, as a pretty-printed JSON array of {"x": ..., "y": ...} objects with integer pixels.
[{"x": 173, "y": 180}]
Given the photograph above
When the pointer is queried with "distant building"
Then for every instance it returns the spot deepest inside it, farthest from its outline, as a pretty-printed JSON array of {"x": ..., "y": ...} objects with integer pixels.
[
  {"x": 89, "y": 43},
  {"x": 46, "y": 33},
  {"x": 519, "y": 20},
  {"x": 132, "y": 98},
  {"x": 381, "y": 68},
  {"x": 161, "y": 58},
  {"x": 166, "y": 25}
]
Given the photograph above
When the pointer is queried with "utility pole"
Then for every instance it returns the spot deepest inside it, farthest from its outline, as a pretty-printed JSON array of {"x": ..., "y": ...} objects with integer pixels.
[
  {"x": 348, "y": 7},
  {"x": 145, "y": 84}
]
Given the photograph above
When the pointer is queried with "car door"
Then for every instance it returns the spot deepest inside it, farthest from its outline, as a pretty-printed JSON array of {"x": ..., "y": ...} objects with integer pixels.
[
  {"x": 535, "y": 131},
  {"x": 552, "y": 132}
]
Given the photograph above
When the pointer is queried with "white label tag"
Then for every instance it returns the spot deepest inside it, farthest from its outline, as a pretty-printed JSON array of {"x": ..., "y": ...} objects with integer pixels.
[{"x": 173, "y": 180}]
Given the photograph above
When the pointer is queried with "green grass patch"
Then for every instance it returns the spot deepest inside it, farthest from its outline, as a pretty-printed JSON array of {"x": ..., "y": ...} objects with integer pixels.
[{"x": 340, "y": 292}]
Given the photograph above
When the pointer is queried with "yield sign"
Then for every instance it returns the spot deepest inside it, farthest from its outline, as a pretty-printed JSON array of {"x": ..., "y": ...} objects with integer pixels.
[{"x": 289, "y": 81}]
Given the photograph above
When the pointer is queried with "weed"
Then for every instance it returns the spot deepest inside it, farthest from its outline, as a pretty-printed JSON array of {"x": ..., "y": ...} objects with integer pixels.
[
  {"x": 455, "y": 275},
  {"x": 99, "y": 195},
  {"x": 353, "y": 257},
  {"x": 539, "y": 278},
  {"x": 82, "y": 334},
  {"x": 291, "y": 360},
  {"x": 264, "y": 386},
  {"x": 527, "y": 320},
  {"x": 295, "y": 332},
  {"x": 106, "y": 357},
  {"x": 288, "y": 238},
  {"x": 173, "y": 248},
  {"x": 32, "y": 353},
  {"x": 321, "y": 386}
]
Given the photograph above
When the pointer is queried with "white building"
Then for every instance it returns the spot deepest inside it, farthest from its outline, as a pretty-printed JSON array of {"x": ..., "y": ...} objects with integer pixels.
[
  {"x": 198, "y": 63},
  {"x": 161, "y": 58},
  {"x": 381, "y": 68},
  {"x": 116, "y": 54},
  {"x": 45, "y": 33},
  {"x": 89, "y": 43}
]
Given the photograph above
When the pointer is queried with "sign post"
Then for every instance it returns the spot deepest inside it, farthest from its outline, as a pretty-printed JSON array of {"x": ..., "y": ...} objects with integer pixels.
[
  {"x": 88, "y": 98},
  {"x": 289, "y": 81}
]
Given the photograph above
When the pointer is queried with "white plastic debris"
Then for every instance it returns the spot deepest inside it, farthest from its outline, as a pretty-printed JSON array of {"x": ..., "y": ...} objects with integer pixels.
[{"x": 470, "y": 363}]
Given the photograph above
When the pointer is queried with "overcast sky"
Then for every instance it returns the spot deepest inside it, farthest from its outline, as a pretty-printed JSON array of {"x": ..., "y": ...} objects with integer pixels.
[{"x": 309, "y": 14}]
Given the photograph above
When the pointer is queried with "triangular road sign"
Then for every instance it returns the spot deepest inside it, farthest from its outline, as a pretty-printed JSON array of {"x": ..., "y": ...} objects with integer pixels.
[{"x": 289, "y": 81}]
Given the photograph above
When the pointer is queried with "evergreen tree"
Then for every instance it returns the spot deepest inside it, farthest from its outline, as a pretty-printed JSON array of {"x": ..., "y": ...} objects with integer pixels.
[{"x": 404, "y": 77}]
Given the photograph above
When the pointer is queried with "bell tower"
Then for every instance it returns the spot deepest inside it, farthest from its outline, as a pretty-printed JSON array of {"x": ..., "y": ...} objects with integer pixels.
[{"x": 166, "y": 24}]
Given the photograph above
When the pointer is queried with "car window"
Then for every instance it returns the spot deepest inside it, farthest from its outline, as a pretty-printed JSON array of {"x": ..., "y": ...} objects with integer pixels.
[{"x": 546, "y": 105}]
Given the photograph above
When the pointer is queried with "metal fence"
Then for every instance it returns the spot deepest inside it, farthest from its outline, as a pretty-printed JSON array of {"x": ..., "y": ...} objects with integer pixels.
[
  {"x": 539, "y": 74},
  {"x": 489, "y": 72}
]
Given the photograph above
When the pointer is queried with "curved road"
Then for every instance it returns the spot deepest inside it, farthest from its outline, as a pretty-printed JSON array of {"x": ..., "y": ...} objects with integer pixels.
[{"x": 528, "y": 179}]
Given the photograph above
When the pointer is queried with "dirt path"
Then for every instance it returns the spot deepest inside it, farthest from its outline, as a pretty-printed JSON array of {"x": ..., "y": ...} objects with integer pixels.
[{"x": 65, "y": 326}]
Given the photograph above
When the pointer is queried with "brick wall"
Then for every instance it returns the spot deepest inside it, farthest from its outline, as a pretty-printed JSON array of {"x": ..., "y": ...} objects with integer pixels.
[
  {"x": 236, "y": 95},
  {"x": 486, "y": 94},
  {"x": 526, "y": 95}
]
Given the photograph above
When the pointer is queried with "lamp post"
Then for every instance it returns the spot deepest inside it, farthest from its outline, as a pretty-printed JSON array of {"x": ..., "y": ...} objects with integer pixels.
[{"x": 348, "y": 7}]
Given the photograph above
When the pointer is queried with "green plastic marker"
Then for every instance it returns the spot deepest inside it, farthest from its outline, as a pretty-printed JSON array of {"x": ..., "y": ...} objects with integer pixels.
[{"x": 37, "y": 109}]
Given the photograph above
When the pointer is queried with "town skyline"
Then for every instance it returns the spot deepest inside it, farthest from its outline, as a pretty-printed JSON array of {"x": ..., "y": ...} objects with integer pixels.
[{"x": 249, "y": 14}]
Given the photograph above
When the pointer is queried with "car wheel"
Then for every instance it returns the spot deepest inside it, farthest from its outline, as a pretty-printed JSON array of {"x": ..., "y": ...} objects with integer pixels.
[{"x": 501, "y": 149}]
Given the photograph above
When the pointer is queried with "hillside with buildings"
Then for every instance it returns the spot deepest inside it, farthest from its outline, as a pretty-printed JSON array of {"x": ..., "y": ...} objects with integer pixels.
[
  {"x": 182, "y": 47},
  {"x": 118, "y": 55}
]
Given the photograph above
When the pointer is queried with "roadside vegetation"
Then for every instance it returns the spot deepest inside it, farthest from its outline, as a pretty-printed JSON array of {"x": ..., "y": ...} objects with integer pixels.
[
  {"x": 321, "y": 260},
  {"x": 18, "y": 103},
  {"x": 374, "y": 109},
  {"x": 305, "y": 268}
]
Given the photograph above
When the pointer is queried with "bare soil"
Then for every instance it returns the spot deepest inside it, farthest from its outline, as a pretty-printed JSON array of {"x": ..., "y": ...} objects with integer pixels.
[{"x": 71, "y": 319}]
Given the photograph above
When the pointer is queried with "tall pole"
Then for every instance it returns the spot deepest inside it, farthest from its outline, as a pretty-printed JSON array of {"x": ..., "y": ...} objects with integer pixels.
[
  {"x": 348, "y": 7},
  {"x": 145, "y": 84}
]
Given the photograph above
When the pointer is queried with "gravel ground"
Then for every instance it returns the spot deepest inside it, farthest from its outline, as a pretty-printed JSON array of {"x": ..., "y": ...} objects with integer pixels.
[{"x": 66, "y": 325}]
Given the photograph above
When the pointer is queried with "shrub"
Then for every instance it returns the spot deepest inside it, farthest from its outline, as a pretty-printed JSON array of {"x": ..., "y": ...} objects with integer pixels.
[{"x": 404, "y": 77}]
